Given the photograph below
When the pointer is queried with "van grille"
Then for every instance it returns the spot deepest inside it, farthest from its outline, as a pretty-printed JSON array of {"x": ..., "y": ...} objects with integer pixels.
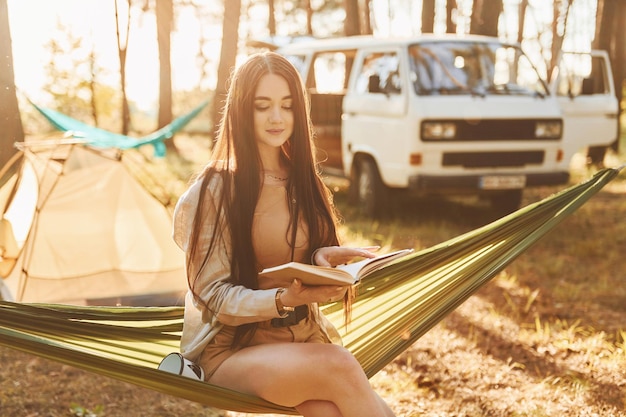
[{"x": 492, "y": 159}]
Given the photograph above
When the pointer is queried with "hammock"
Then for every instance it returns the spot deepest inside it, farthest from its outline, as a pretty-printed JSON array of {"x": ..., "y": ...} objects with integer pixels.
[
  {"x": 395, "y": 307},
  {"x": 104, "y": 139}
]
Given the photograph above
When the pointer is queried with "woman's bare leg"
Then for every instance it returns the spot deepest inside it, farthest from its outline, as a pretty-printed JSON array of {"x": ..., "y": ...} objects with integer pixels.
[
  {"x": 315, "y": 408},
  {"x": 310, "y": 375}
]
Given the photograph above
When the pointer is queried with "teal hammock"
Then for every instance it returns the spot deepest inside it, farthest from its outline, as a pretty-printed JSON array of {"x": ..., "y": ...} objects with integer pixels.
[
  {"x": 395, "y": 307},
  {"x": 101, "y": 138}
]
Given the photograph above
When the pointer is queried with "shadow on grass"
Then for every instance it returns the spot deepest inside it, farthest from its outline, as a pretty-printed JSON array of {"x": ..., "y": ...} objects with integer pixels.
[
  {"x": 538, "y": 366},
  {"x": 578, "y": 272}
]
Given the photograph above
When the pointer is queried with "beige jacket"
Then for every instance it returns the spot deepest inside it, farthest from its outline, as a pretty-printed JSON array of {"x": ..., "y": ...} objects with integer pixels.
[{"x": 227, "y": 304}]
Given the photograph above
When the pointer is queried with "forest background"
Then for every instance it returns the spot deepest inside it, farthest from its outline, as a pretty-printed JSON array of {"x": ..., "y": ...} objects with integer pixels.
[
  {"x": 195, "y": 43},
  {"x": 545, "y": 338}
]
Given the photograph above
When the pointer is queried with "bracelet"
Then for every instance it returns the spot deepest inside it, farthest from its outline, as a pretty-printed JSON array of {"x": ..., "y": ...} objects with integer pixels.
[
  {"x": 313, "y": 256},
  {"x": 282, "y": 309}
]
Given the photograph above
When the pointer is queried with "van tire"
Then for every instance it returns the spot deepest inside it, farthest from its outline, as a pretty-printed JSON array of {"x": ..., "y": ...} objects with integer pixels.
[
  {"x": 367, "y": 189},
  {"x": 506, "y": 202}
]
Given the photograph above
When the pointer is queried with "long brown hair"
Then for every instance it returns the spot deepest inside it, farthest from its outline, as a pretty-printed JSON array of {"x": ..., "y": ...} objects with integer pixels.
[{"x": 236, "y": 159}]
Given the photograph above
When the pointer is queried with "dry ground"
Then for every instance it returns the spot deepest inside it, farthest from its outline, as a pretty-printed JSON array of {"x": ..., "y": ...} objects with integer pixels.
[{"x": 544, "y": 338}]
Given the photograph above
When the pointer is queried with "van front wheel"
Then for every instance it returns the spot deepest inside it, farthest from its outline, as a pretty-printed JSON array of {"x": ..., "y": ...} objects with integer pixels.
[{"x": 369, "y": 190}]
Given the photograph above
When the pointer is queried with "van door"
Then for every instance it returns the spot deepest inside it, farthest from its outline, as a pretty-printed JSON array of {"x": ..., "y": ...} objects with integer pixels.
[
  {"x": 326, "y": 81},
  {"x": 374, "y": 109},
  {"x": 586, "y": 93}
]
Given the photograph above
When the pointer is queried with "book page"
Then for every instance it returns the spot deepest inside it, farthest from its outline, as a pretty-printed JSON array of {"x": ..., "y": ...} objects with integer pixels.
[
  {"x": 348, "y": 274},
  {"x": 309, "y": 274},
  {"x": 365, "y": 267}
]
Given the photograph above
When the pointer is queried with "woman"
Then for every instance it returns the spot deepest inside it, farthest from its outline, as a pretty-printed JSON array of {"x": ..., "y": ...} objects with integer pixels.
[{"x": 259, "y": 203}]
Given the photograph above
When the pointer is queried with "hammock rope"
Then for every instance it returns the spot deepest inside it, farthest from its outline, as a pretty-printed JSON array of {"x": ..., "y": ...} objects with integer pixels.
[{"x": 395, "y": 306}]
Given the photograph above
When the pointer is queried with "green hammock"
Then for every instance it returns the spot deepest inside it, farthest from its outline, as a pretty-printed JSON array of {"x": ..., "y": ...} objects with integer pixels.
[
  {"x": 104, "y": 139},
  {"x": 395, "y": 307}
]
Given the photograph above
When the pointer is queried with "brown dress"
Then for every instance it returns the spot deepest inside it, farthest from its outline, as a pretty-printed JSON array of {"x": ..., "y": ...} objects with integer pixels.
[{"x": 270, "y": 239}]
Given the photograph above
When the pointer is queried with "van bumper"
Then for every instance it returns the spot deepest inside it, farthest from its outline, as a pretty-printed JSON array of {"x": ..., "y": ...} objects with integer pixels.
[{"x": 458, "y": 183}]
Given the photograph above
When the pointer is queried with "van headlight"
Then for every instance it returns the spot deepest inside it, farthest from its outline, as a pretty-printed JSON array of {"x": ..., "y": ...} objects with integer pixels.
[
  {"x": 438, "y": 130},
  {"x": 549, "y": 129}
]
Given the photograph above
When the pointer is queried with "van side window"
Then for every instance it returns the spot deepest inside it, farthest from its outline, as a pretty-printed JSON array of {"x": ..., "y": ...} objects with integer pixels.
[
  {"x": 380, "y": 74},
  {"x": 581, "y": 74},
  {"x": 329, "y": 72}
]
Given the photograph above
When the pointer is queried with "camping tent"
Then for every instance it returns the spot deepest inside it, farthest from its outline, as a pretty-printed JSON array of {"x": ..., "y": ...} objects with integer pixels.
[{"x": 77, "y": 227}]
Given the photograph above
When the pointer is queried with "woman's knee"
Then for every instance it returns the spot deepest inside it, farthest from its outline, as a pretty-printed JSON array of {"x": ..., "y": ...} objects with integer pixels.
[{"x": 337, "y": 360}]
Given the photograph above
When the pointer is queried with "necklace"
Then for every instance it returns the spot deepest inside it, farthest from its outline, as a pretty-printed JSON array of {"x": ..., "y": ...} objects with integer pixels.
[{"x": 274, "y": 177}]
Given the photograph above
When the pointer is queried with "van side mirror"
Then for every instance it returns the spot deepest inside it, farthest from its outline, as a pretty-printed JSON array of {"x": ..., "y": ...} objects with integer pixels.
[{"x": 374, "y": 84}]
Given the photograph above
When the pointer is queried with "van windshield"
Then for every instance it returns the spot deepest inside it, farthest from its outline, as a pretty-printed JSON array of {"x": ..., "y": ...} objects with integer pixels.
[{"x": 473, "y": 68}]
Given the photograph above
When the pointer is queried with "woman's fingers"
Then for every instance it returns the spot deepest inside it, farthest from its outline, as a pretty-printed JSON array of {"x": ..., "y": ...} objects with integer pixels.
[{"x": 337, "y": 255}]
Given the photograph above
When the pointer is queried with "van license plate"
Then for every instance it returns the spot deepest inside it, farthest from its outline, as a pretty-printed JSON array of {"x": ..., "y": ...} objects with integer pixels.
[{"x": 502, "y": 182}]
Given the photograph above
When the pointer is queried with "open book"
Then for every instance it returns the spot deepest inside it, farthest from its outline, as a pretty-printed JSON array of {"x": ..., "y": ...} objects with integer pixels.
[{"x": 348, "y": 274}]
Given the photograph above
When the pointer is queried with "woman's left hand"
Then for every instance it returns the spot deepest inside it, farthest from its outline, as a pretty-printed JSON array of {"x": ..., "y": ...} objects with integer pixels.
[
  {"x": 337, "y": 255},
  {"x": 297, "y": 293}
]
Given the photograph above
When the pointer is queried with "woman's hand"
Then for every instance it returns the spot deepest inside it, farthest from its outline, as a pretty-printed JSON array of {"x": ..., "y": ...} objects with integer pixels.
[
  {"x": 297, "y": 293},
  {"x": 337, "y": 255}
]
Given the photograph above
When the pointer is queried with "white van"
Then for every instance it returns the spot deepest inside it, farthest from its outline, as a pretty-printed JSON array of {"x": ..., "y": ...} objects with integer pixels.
[{"x": 448, "y": 115}]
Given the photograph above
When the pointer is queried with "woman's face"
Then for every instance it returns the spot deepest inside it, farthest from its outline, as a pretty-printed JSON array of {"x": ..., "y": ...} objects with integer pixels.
[{"x": 273, "y": 115}]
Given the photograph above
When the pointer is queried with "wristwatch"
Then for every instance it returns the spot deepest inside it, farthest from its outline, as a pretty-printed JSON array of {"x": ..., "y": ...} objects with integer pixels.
[{"x": 282, "y": 309}]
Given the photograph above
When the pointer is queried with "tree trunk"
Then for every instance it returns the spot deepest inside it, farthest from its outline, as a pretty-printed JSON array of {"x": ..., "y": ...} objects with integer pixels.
[
  {"x": 428, "y": 16},
  {"x": 611, "y": 14},
  {"x": 557, "y": 39},
  {"x": 521, "y": 20},
  {"x": 607, "y": 21},
  {"x": 309, "y": 18},
  {"x": 366, "y": 26},
  {"x": 122, "y": 47},
  {"x": 598, "y": 35},
  {"x": 165, "y": 23},
  {"x": 228, "y": 55},
  {"x": 451, "y": 5},
  {"x": 351, "y": 25},
  {"x": 485, "y": 16},
  {"x": 619, "y": 70},
  {"x": 92, "y": 86},
  {"x": 11, "y": 130},
  {"x": 271, "y": 24}
]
